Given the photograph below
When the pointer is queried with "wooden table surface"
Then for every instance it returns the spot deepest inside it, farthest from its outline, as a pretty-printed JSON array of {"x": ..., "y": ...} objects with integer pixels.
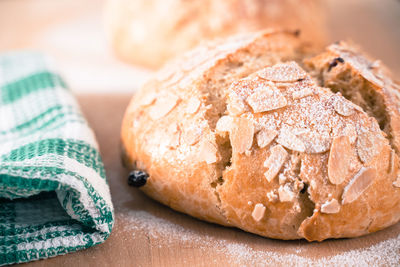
[{"x": 147, "y": 233}]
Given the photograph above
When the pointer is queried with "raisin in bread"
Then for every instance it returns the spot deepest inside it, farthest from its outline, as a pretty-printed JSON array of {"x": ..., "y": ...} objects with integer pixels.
[{"x": 263, "y": 133}]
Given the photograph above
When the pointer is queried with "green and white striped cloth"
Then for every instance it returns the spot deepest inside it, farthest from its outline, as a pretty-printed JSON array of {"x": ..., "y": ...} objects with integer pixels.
[{"x": 54, "y": 197}]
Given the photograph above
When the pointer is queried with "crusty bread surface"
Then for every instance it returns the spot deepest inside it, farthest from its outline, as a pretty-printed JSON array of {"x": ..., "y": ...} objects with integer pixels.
[{"x": 262, "y": 132}]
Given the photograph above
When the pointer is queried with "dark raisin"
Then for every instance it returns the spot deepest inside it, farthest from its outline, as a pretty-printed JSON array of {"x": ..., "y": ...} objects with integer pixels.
[
  {"x": 304, "y": 189},
  {"x": 137, "y": 178},
  {"x": 334, "y": 62},
  {"x": 297, "y": 33}
]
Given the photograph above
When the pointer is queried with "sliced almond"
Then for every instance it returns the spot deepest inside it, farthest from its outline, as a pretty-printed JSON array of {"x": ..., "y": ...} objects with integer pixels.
[
  {"x": 360, "y": 182},
  {"x": 315, "y": 142},
  {"x": 236, "y": 106},
  {"x": 265, "y": 136},
  {"x": 275, "y": 161},
  {"x": 258, "y": 212},
  {"x": 339, "y": 160},
  {"x": 208, "y": 152},
  {"x": 286, "y": 194},
  {"x": 289, "y": 140},
  {"x": 241, "y": 135},
  {"x": 330, "y": 207},
  {"x": 392, "y": 161},
  {"x": 192, "y": 135},
  {"x": 368, "y": 145},
  {"x": 342, "y": 106},
  {"x": 174, "y": 133},
  {"x": 351, "y": 132},
  {"x": 224, "y": 124},
  {"x": 266, "y": 99},
  {"x": 163, "y": 106},
  {"x": 193, "y": 105},
  {"x": 148, "y": 99},
  {"x": 304, "y": 92},
  {"x": 396, "y": 183},
  {"x": 283, "y": 72}
]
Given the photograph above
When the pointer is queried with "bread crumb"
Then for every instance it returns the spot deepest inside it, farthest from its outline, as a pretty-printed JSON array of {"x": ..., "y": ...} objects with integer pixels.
[
  {"x": 275, "y": 161},
  {"x": 272, "y": 196},
  {"x": 330, "y": 207},
  {"x": 360, "y": 182},
  {"x": 258, "y": 212}
]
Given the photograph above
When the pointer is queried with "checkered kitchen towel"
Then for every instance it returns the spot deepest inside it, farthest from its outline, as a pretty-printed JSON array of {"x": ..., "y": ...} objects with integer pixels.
[{"x": 54, "y": 197}]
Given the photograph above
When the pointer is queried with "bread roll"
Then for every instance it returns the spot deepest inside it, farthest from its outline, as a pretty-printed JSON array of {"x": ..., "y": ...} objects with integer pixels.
[
  {"x": 262, "y": 133},
  {"x": 149, "y": 32}
]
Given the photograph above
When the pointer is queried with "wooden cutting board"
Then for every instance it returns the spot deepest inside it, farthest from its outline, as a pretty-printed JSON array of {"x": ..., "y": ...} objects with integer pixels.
[{"x": 147, "y": 233}]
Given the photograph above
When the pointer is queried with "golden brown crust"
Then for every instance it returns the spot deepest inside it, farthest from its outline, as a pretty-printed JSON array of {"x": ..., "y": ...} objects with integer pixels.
[
  {"x": 149, "y": 32},
  {"x": 217, "y": 148}
]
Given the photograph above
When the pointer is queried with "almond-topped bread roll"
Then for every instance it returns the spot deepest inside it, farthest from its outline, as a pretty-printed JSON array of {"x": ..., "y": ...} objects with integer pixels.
[
  {"x": 149, "y": 32},
  {"x": 258, "y": 133}
]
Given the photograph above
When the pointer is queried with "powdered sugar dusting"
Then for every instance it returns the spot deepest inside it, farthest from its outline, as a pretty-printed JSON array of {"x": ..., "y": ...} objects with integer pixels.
[{"x": 165, "y": 232}]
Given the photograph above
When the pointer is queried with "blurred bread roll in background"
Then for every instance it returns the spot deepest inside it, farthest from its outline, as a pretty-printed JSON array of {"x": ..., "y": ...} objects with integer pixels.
[{"x": 149, "y": 32}]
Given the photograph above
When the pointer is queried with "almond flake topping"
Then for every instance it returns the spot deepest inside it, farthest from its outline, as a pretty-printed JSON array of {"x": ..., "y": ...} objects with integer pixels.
[
  {"x": 236, "y": 105},
  {"x": 342, "y": 106},
  {"x": 241, "y": 135},
  {"x": 258, "y": 212},
  {"x": 339, "y": 160},
  {"x": 193, "y": 105},
  {"x": 265, "y": 136},
  {"x": 286, "y": 194},
  {"x": 174, "y": 133},
  {"x": 391, "y": 161},
  {"x": 208, "y": 152},
  {"x": 360, "y": 182},
  {"x": 148, "y": 99},
  {"x": 351, "y": 132},
  {"x": 397, "y": 182},
  {"x": 275, "y": 161},
  {"x": 192, "y": 135},
  {"x": 289, "y": 140},
  {"x": 368, "y": 145},
  {"x": 315, "y": 142},
  {"x": 163, "y": 106},
  {"x": 224, "y": 124},
  {"x": 283, "y": 72},
  {"x": 330, "y": 207},
  {"x": 302, "y": 93},
  {"x": 266, "y": 98}
]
